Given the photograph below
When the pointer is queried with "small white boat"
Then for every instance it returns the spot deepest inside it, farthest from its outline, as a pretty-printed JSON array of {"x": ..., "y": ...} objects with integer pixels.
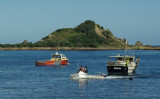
[{"x": 82, "y": 75}]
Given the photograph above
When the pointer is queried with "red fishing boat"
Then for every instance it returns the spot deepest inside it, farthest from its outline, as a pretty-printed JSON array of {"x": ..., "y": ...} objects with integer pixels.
[{"x": 57, "y": 59}]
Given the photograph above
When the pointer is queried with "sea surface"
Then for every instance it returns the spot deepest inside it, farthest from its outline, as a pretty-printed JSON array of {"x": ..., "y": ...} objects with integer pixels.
[{"x": 21, "y": 79}]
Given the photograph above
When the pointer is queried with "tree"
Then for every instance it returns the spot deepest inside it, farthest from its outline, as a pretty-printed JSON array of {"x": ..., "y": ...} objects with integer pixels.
[{"x": 138, "y": 43}]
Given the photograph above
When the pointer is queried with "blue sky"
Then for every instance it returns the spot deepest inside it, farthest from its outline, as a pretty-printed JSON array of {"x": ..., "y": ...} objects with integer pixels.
[{"x": 31, "y": 20}]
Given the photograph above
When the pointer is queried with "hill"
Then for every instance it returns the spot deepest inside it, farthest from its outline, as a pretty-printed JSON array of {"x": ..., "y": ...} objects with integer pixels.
[{"x": 87, "y": 34}]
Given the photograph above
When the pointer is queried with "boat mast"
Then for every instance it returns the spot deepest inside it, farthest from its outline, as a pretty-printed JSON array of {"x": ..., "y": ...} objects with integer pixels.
[
  {"x": 78, "y": 64},
  {"x": 126, "y": 48}
]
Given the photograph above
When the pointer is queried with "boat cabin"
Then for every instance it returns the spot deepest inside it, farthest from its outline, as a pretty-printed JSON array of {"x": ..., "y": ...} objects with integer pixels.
[
  {"x": 58, "y": 56},
  {"x": 122, "y": 60},
  {"x": 125, "y": 58}
]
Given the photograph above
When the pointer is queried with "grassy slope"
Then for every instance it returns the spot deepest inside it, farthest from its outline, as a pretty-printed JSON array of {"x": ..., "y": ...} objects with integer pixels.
[{"x": 87, "y": 34}]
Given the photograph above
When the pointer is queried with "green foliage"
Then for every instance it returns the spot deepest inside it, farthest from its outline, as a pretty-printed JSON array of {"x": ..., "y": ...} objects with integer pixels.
[
  {"x": 91, "y": 38},
  {"x": 86, "y": 27},
  {"x": 45, "y": 38},
  {"x": 108, "y": 34}
]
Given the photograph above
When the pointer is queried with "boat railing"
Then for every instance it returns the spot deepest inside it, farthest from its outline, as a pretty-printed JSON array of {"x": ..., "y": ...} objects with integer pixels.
[{"x": 113, "y": 63}]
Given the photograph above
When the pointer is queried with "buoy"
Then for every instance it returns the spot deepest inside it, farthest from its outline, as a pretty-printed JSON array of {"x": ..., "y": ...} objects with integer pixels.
[{"x": 130, "y": 78}]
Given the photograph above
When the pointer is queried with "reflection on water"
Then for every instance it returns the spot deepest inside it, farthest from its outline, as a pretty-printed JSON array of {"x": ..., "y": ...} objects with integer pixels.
[
  {"x": 82, "y": 82},
  {"x": 52, "y": 66}
]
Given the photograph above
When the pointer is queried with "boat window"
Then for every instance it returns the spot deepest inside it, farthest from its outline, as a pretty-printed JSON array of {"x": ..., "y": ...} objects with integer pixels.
[
  {"x": 56, "y": 56},
  {"x": 119, "y": 59},
  {"x": 131, "y": 59},
  {"x": 63, "y": 55}
]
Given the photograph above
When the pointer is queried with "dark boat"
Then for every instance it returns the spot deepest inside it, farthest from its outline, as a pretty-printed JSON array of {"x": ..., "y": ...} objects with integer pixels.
[{"x": 123, "y": 65}]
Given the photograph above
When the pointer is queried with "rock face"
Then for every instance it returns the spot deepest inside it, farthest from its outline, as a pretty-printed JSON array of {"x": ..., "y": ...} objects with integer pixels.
[
  {"x": 138, "y": 43},
  {"x": 87, "y": 34}
]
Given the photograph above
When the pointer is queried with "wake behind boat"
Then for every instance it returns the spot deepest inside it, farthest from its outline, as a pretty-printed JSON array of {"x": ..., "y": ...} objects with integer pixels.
[{"x": 82, "y": 75}]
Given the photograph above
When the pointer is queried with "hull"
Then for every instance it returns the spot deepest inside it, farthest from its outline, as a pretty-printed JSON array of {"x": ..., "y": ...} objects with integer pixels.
[
  {"x": 47, "y": 63},
  {"x": 82, "y": 75},
  {"x": 117, "y": 70}
]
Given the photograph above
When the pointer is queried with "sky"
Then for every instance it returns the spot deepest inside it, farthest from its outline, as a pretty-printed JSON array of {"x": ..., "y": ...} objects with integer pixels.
[{"x": 31, "y": 20}]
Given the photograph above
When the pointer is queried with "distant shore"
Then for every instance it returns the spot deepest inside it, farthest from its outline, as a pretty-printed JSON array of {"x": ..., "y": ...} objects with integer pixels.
[{"x": 79, "y": 48}]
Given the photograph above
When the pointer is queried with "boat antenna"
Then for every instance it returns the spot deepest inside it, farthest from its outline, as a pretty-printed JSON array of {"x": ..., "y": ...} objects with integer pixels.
[
  {"x": 56, "y": 49},
  {"x": 126, "y": 48},
  {"x": 78, "y": 64}
]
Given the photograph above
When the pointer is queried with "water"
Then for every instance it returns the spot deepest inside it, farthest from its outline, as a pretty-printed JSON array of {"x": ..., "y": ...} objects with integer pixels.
[{"x": 21, "y": 79}]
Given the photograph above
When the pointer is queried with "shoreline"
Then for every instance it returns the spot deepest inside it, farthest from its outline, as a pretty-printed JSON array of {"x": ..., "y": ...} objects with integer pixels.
[{"x": 79, "y": 48}]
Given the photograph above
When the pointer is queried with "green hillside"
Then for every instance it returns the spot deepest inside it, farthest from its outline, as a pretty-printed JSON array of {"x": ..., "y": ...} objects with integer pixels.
[{"x": 87, "y": 34}]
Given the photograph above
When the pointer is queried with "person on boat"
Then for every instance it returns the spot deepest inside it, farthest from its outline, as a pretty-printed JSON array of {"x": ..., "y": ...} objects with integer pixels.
[
  {"x": 80, "y": 69},
  {"x": 85, "y": 69},
  {"x": 137, "y": 61}
]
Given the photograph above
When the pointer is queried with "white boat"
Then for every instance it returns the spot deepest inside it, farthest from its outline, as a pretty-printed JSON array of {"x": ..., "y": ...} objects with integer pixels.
[{"x": 82, "y": 75}]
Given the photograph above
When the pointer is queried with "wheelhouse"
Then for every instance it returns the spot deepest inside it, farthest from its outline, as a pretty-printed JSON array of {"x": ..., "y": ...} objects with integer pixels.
[
  {"x": 58, "y": 56},
  {"x": 120, "y": 60}
]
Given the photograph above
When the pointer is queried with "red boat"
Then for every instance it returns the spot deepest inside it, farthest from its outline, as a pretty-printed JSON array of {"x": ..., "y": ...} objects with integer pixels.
[{"x": 57, "y": 59}]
